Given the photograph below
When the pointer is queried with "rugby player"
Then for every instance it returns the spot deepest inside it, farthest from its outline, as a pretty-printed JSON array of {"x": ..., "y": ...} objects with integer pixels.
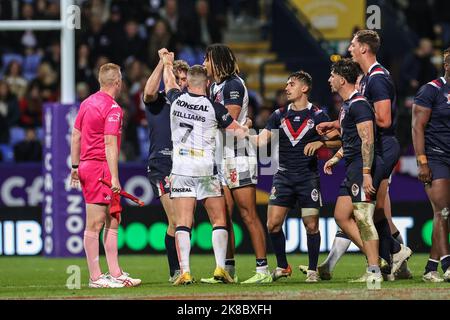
[
  {"x": 431, "y": 138},
  {"x": 364, "y": 168},
  {"x": 297, "y": 180},
  {"x": 194, "y": 120},
  {"x": 95, "y": 150},
  {"x": 378, "y": 87},
  {"x": 157, "y": 110},
  {"x": 238, "y": 166}
]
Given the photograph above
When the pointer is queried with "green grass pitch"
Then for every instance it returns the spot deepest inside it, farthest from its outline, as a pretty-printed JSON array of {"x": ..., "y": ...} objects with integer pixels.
[{"x": 45, "y": 278}]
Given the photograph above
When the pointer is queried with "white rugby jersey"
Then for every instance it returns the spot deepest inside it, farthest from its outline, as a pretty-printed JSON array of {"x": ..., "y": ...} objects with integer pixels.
[
  {"x": 194, "y": 122},
  {"x": 230, "y": 91}
]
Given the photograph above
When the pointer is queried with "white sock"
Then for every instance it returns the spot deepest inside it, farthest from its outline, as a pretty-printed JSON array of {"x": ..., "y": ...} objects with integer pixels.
[
  {"x": 219, "y": 243},
  {"x": 183, "y": 244},
  {"x": 338, "y": 249},
  {"x": 263, "y": 269}
]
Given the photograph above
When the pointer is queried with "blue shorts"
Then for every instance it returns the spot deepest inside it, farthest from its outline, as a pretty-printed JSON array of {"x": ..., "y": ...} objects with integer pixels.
[
  {"x": 158, "y": 172},
  {"x": 389, "y": 151},
  {"x": 440, "y": 167},
  {"x": 289, "y": 190},
  {"x": 353, "y": 183}
]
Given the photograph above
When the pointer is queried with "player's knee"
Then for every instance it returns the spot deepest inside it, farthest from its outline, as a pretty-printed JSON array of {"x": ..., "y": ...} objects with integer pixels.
[
  {"x": 273, "y": 226},
  {"x": 95, "y": 226},
  {"x": 248, "y": 216},
  {"x": 363, "y": 213},
  {"x": 312, "y": 228}
]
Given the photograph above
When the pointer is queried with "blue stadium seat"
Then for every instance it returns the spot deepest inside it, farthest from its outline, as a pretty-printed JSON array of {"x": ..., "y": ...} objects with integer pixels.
[
  {"x": 40, "y": 133},
  {"x": 8, "y": 57},
  {"x": 16, "y": 134},
  {"x": 7, "y": 152},
  {"x": 30, "y": 66},
  {"x": 144, "y": 143},
  {"x": 191, "y": 56}
]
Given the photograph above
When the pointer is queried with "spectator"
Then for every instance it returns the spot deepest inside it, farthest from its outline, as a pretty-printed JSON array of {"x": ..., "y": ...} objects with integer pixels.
[
  {"x": 162, "y": 38},
  {"x": 202, "y": 29},
  {"x": 83, "y": 91},
  {"x": 15, "y": 80},
  {"x": 30, "y": 149},
  {"x": 9, "y": 111},
  {"x": 131, "y": 44},
  {"x": 417, "y": 68},
  {"x": 84, "y": 71},
  {"x": 47, "y": 80},
  {"x": 262, "y": 117},
  {"x": 170, "y": 13},
  {"x": 53, "y": 56},
  {"x": 96, "y": 38},
  {"x": 441, "y": 16},
  {"x": 31, "y": 107},
  {"x": 280, "y": 99}
]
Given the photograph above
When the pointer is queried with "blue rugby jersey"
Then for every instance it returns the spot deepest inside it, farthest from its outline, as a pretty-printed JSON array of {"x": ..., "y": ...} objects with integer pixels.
[
  {"x": 158, "y": 118},
  {"x": 354, "y": 110},
  {"x": 297, "y": 129},
  {"x": 377, "y": 85},
  {"x": 435, "y": 95}
]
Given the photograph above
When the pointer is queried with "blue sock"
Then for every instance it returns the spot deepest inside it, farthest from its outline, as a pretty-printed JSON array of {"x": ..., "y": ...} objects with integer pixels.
[
  {"x": 279, "y": 246},
  {"x": 172, "y": 256},
  {"x": 384, "y": 234},
  {"x": 313, "y": 243},
  {"x": 261, "y": 262},
  {"x": 341, "y": 234},
  {"x": 445, "y": 263},
  {"x": 432, "y": 265}
]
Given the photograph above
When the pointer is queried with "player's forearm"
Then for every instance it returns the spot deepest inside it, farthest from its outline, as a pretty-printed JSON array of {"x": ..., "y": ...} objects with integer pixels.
[
  {"x": 75, "y": 147},
  {"x": 365, "y": 132},
  {"x": 418, "y": 137},
  {"x": 263, "y": 138},
  {"x": 169, "y": 78},
  {"x": 152, "y": 85},
  {"x": 419, "y": 121},
  {"x": 112, "y": 157},
  {"x": 332, "y": 144}
]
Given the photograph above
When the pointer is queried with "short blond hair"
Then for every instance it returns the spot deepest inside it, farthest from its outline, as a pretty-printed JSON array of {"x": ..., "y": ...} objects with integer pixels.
[
  {"x": 180, "y": 65},
  {"x": 108, "y": 74},
  {"x": 197, "y": 76}
]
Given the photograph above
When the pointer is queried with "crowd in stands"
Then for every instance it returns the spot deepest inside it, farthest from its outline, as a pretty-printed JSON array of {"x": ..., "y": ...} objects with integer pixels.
[{"x": 130, "y": 33}]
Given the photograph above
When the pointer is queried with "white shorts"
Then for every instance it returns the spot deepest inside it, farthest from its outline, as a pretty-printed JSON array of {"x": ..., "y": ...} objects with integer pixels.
[
  {"x": 195, "y": 187},
  {"x": 240, "y": 171}
]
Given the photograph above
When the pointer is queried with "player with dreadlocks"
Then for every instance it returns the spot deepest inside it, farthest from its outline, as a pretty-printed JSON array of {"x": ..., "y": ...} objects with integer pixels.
[{"x": 237, "y": 165}]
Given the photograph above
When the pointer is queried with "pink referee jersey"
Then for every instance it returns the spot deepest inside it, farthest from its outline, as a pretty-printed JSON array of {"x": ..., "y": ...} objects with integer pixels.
[{"x": 99, "y": 115}]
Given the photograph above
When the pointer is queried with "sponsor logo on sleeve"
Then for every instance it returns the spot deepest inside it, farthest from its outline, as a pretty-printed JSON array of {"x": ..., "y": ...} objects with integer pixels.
[
  {"x": 234, "y": 95},
  {"x": 114, "y": 117}
]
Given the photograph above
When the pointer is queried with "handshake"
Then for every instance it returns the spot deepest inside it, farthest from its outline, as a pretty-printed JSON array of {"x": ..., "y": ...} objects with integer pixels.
[{"x": 166, "y": 57}]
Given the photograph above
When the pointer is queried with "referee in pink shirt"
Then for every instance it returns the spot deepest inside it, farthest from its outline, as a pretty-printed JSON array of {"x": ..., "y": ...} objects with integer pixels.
[{"x": 95, "y": 154}]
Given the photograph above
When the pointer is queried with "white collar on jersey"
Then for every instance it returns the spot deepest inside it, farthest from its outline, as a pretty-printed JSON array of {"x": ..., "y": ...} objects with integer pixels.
[
  {"x": 352, "y": 95},
  {"x": 372, "y": 66},
  {"x": 443, "y": 80},
  {"x": 308, "y": 106}
]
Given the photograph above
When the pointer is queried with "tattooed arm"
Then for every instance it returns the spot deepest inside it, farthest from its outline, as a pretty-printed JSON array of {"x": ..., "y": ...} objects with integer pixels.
[{"x": 365, "y": 132}]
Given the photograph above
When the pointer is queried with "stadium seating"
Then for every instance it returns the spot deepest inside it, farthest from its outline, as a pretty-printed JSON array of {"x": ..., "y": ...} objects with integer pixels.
[
  {"x": 7, "y": 152},
  {"x": 7, "y": 58},
  {"x": 16, "y": 134},
  {"x": 144, "y": 143}
]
